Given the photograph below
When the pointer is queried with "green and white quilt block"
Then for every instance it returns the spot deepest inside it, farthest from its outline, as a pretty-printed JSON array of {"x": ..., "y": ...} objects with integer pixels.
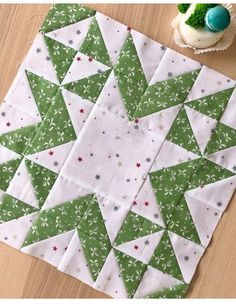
[{"x": 117, "y": 156}]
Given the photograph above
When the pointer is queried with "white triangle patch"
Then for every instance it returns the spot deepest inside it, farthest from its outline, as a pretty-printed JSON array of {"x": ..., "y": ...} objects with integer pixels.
[
  {"x": 161, "y": 122},
  {"x": 149, "y": 52},
  {"x": 82, "y": 67},
  {"x": 14, "y": 231},
  {"x": 114, "y": 35},
  {"x": 72, "y": 35},
  {"x": 171, "y": 155},
  {"x": 14, "y": 119},
  {"x": 114, "y": 214},
  {"x": 209, "y": 82},
  {"x": 225, "y": 158},
  {"x": 78, "y": 109},
  {"x": 146, "y": 204},
  {"x": 217, "y": 194},
  {"x": 38, "y": 60},
  {"x": 142, "y": 248},
  {"x": 21, "y": 186},
  {"x": 7, "y": 155},
  {"x": 21, "y": 96},
  {"x": 54, "y": 158},
  {"x": 174, "y": 62},
  {"x": 109, "y": 279},
  {"x": 74, "y": 261},
  {"x": 154, "y": 281},
  {"x": 64, "y": 190},
  {"x": 187, "y": 254},
  {"x": 51, "y": 249},
  {"x": 201, "y": 125},
  {"x": 110, "y": 97},
  {"x": 229, "y": 115},
  {"x": 205, "y": 218}
]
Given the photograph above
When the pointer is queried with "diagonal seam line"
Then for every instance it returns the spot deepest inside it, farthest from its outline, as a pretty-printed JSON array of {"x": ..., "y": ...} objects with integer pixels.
[{"x": 201, "y": 158}]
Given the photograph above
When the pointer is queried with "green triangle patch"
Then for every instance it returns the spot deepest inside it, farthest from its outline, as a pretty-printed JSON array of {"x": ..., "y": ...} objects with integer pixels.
[
  {"x": 130, "y": 75},
  {"x": 56, "y": 128},
  {"x": 94, "y": 46},
  {"x": 174, "y": 292},
  {"x": 61, "y": 55},
  {"x": 223, "y": 137},
  {"x": 164, "y": 258},
  {"x": 165, "y": 94},
  {"x": 207, "y": 172},
  {"x": 181, "y": 133},
  {"x": 89, "y": 88},
  {"x": 19, "y": 140},
  {"x": 182, "y": 223},
  {"x": 7, "y": 171},
  {"x": 129, "y": 63},
  {"x": 134, "y": 227},
  {"x": 96, "y": 252},
  {"x": 92, "y": 223},
  {"x": 61, "y": 15},
  {"x": 43, "y": 91},
  {"x": 132, "y": 271},
  {"x": 42, "y": 180},
  {"x": 12, "y": 208},
  {"x": 169, "y": 184},
  {"x": 212, "y": 105},
  {"x": 57, "y": 220}
]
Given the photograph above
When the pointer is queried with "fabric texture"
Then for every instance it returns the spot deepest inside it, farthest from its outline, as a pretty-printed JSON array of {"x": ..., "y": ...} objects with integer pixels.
[{"x": 117, "y": 156}]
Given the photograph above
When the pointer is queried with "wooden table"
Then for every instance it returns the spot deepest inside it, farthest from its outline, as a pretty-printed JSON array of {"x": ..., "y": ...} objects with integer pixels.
[{"x": 24, "y": 276}]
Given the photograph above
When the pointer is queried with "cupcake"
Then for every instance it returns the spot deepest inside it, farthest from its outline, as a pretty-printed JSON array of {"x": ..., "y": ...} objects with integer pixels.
[{"x": 203, "y": 25}]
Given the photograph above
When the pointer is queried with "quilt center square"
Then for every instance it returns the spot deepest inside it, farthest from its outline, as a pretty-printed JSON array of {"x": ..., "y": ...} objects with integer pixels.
[{"x": 112, "y": 156}]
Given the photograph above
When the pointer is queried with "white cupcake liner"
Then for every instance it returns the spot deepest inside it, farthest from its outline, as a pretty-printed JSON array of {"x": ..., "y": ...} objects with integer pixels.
[{"x": 221, "y": 45}]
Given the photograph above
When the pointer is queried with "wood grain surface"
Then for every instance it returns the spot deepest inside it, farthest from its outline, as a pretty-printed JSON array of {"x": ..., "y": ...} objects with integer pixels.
[{"x": 24, "y": 276}]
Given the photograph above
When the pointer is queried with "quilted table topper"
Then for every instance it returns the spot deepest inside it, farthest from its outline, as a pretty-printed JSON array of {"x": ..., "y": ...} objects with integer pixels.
[{"x": 117, "y": 156}]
